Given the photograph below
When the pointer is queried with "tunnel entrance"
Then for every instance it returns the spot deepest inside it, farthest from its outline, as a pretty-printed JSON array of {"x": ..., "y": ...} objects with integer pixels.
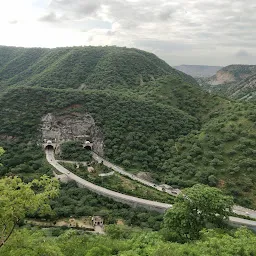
[
  {"x": 87, "y": 145},
  {"x": 49, "y": 147}
]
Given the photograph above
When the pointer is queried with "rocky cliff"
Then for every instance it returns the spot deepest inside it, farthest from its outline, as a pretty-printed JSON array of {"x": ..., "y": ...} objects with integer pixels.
[{"x": 72, "y": 127}]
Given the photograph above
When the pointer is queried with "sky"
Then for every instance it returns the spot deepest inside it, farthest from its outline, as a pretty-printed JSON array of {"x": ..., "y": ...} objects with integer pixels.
[{"x": 199, "y": 32}]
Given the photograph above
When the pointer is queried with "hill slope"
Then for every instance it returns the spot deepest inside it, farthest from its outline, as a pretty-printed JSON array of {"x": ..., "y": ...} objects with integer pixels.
[
  {"x": 232, "y": 73},
  {"x": 244, "y": 90},
  {"x": 235, "y": 81},
  {"x": 134, "y": 129},
  {"x": 82, "y": 67}
]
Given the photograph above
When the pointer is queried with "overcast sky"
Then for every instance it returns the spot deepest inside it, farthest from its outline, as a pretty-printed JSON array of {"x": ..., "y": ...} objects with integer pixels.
[{"x": 212, "y": 32}]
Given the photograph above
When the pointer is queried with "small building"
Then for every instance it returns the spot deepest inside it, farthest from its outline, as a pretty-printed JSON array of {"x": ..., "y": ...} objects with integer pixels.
[
  {"x": 97, "y": 221},
  {"x": 90, "y": 169}
]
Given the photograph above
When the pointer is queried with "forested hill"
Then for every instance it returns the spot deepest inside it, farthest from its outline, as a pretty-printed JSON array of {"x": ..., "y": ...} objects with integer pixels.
[
  {"x": 234, "y": 81},
  {"x": 153, "y": 118},
  {"x": 82, "y": 67}
]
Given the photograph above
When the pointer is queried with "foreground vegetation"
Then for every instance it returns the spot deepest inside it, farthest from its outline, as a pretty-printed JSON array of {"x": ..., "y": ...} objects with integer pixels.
[
  {"x": 184, "y": 229},
  {"x": 128, "y": 242}
]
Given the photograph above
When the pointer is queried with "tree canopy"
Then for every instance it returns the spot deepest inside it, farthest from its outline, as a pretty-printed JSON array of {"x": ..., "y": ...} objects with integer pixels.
[
  {"x": 1, "y": 152},
  {"x": 18, "y": 199},
  {"x": 196, "y": 208}
]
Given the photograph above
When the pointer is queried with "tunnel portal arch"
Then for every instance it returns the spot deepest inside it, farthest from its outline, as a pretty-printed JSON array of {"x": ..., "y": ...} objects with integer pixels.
[
  {"x": 88, "y": 145},
  {"x": 49, "y": 147}
]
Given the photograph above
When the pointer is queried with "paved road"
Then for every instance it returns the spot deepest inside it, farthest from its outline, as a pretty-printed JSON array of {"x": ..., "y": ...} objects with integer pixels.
[
  {"x": 236, "y": 209},
  {"x": 131, "y": 176},
  {"x": 243, "y": 222},
  {"x": 72, "y": 162},
  {"x": 142, "y": 202},
  {"x": 103, "y": 191},
  {"x": 244, "y": 211}
]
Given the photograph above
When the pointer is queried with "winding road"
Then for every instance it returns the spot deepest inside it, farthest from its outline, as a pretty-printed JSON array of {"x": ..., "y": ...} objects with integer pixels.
[
  {"x": 236, "y": 209},
  {"x": 120, "y": 170},
  {"x": 135, "y": 201}
]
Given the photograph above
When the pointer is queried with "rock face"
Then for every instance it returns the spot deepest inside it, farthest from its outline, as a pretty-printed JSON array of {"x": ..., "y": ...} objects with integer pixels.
[
  {"x": 72, "y": 127},
  {"x": 232, "y": 74},
  {"x": 222, "y": 77}
]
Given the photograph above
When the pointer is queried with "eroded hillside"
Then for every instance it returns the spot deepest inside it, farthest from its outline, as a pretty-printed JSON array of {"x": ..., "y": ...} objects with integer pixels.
[{"x": 235, "y": 81}]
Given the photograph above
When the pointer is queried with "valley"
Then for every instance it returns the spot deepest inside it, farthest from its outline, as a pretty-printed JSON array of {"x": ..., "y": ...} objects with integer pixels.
[{"x": 137, "y": 115}]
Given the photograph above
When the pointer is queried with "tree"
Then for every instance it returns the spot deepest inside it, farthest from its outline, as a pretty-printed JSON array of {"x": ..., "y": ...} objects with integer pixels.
[
  {"x": 1, "y": 153},
  {"x": 198, "y": 207},
  {"x": 17, "y": 200},
  {"x": 31, "y": 243}
]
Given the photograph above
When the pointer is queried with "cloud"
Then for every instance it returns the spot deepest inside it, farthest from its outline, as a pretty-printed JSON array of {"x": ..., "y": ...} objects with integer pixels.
[
  {"x": 76, "y": 8},
  {"x": 13, "y": 22},
  {"x": 163, "y": 45},
  {"x": 50, "y": 17},
  {"x": 242, "y": 54},
  {"x": 110, "y": 33},
  {"x": 217, "y": 32}
]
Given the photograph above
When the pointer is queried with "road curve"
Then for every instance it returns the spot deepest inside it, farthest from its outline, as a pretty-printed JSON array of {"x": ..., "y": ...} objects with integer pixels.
[
  {"x": 120, "y": 170},
  {"x": 236, "y": 209},
  {"x": 133, "y": 201},
  {"x": 244, "y": 211},
  {"x": 243, "y": 222}
]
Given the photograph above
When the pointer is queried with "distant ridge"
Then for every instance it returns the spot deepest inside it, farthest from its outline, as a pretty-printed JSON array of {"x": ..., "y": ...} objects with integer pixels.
[
  {"x": 198, "y": 70},
  {"x": 234, "y": 81}
]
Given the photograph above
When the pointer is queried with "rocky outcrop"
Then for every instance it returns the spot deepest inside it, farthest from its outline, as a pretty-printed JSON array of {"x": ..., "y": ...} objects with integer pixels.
[
  {"x": 232, "y": 74},
  {"x": 72, "y": 127},
  {"x": 222, "y": 77}
]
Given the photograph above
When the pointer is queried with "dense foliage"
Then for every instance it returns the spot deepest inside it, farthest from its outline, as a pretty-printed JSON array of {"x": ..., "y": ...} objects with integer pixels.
[
  {"x": 196, "y": 208},
  {"x": 76, "y": 202},
  {"x": 128, "y": 242},
  {"x": 81, "y": 67},
  {"x": 25, "y": 159},
  {"x": 73, "y": 150},
  {"x": 19, "y": 199},
  {"x": 221, "y": 154},
  {"x": 135, "y": 130}
]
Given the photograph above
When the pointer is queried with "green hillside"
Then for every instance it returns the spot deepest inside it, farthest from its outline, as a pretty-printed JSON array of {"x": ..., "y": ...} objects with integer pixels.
[
  {"x": 221, "y": 153},
  {"x": 153, "y": 117},
  {"x": 244, "y": 90},
  {"x": 134, "y": 129},
  {"x": 82, "y": 67}
]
